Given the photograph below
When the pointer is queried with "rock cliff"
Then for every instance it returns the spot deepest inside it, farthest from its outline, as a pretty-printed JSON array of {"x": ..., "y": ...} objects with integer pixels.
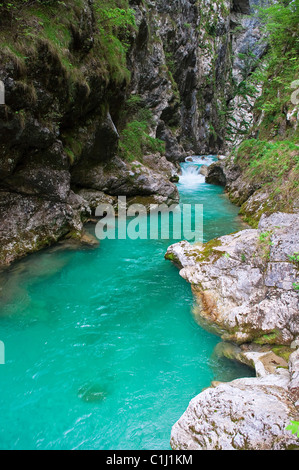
[{"x": 69, "y": 117}]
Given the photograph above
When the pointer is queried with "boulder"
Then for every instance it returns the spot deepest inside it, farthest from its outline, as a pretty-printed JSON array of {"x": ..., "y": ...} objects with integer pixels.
[
  {"x": 204, "y": 170},
  {"x": 245, "y": 290},
  {"x": 120, "y": 178},
  {"x": 215, "y": 174},
  {"x": 36, "y": 223},
  {"x": 244, "y": 282},
  {"x": 245, "y": 414}
]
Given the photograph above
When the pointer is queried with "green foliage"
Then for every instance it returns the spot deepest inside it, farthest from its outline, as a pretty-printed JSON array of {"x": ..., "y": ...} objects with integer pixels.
[
  {"x": 56, "y": 21},
  {"x": 272, "y": 166},
  {"x": 135, "y": 141},
  {"x": 296, "y": 286},
  {"x": 265, "y": 243},
  {"x": 294, "y": 258},
  {"x": 55, "y": 24},
  {"x": 135, "y": 123},
  {"x": 264, "y": 237},
  {"x": 281, "y": 22},
  {"x": 268, "y": 161},
  {"x": 118, "y": 19},
  {"x": 115, "y": 25},
  {"x": 293, "y": 427}
]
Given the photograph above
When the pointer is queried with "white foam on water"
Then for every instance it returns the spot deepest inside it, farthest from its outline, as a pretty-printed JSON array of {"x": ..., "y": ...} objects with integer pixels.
[
  {"x": 191, "y": 176},
  {"x": 201, "y": 159}
]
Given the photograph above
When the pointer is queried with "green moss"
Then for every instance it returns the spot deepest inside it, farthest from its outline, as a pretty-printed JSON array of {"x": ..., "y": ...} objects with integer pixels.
[
  {"x": 271, "y": 161},
  {"x": 272, "y": 337},
  {"x": 208, "y": 251},
  {"x": 283, "y": 351},
  {"x": 136, "y": 142},
  {"x": 274, "y": 168}
]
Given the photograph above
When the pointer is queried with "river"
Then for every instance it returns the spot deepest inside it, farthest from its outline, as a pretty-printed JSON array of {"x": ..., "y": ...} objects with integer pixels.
[{"x": 101, "y": 348}]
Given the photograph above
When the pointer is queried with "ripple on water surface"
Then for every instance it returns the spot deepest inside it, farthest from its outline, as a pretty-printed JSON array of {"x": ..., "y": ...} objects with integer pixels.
[{"x": 102, "y": 351}]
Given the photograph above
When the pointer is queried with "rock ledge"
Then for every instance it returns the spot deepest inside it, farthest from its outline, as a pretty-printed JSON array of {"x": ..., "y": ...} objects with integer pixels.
[{"x": 245, "y": 290}]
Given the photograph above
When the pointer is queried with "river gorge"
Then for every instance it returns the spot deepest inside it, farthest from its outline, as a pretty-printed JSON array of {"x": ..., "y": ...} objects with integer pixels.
[
  {"x": 142, "y": 343},
  {"x": 108, "y": 333}
]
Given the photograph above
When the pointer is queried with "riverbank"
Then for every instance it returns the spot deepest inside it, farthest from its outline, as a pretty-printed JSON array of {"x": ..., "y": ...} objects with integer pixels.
[
  {"x": 246, "y": 288},
  {"x": 102, "y": 341}
]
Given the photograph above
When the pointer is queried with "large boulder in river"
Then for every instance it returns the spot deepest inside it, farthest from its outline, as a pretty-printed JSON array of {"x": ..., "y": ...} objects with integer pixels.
[
  {"x": 246, "y": 290},
  {"x": 215, "y": 174},
  {"x": 121, "y": 178},
  {"x": 245, "y": 414},
  {"x": 204, "y": 170},
  {"x": 246, "y": 283}
]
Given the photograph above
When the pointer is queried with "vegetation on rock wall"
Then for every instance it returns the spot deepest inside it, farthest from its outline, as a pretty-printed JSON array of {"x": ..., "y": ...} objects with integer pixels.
[
  {"x": 135, "y": 140},
  {"x": 100, "y": 36},
  {"x": 88, "y": 50},
  {"x": 281, "y": 22},
  {"x": 270, "y": 160}
]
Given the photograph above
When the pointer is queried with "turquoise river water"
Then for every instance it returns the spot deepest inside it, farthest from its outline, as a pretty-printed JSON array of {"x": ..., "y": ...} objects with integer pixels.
[{"x": 101, "y": 348}]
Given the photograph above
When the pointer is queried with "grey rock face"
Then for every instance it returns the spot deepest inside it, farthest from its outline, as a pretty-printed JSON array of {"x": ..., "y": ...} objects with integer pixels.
[
  {"x": 246, "y": 414},
  {"x": 244, "y": 288},
  {"x": 173, "y": 74},
  {"x": 215, "y": 174},
  {"x": 66, "y": 136},
  {"x": 244, "y": 283}
]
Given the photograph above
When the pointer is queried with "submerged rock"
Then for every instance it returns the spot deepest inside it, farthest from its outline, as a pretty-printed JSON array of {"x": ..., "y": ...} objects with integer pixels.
[
  {"x": 92, "y": 393},
  {"x": 95, "y": 198}
]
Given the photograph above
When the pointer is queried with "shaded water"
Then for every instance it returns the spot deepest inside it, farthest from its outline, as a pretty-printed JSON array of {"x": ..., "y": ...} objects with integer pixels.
[{"x": 102, "y": 350}]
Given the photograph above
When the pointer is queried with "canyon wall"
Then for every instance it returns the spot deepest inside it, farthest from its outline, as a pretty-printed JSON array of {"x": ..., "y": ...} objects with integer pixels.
[{"x": 69, "y": 98}]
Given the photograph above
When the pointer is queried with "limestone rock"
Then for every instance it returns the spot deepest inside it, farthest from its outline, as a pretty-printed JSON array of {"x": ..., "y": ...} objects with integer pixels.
[
  {"x": 95, "y": 198},
  {"x": 245, "y": 414},
  {"x": 204, "y": 170},
  {"x": 36, "y": 223},
  {"x": 244, "y": 282},
  {"x": 125, "y": 179}
]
